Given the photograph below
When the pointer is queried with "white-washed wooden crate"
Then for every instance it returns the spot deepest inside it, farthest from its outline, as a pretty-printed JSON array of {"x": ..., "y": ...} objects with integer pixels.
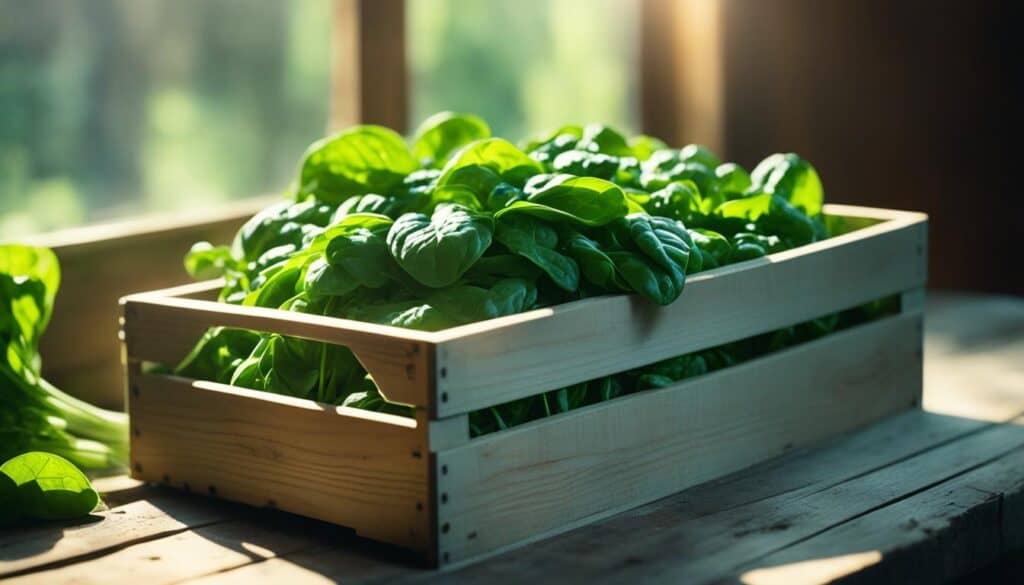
[{"x": 423, "y": 484}]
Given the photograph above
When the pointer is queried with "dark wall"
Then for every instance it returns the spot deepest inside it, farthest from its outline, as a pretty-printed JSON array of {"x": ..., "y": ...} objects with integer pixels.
[{"x": 908, "y": 104}]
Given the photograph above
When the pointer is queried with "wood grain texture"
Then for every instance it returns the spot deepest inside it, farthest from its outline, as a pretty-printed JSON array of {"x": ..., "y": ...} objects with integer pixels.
[
  {"x": 138, "y": 521},
  {"x": 286, "y": 453},
  {"x": 504, "y": 359},
  {"x": 175, "y": 558},
  {"x": 544, "y": 475},
  {"x": 369, "y": 73},
  {"x": 163, "y": 328},
  {"x": 924, "y": 536}
]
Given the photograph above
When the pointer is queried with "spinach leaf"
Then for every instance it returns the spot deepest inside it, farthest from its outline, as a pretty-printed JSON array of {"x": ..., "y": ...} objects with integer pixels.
[
  {"x": 734, "y": 180},
  {"x": 204, "y": 261},
  {"x": 584, "y": 201},
  {"x": 596, "y": 266},
  {"x": 490, "y": 269},
  {"x": 372, "y": 400},
  {"x": 218, "y": 354},
  {"x": 436, "y": 251},
  {"x": 50, "y": 487},
  {"x": 535, "y": 240},
  {"x": 279, "y": 224},
  {"x": 358, "y": 245},
  {"x": 791, "y": 178},
  {"x": 467, "y": 304},
  {"x": 369, "y": 203},
  {"x": 714, "y": 248},
  {"x": 546, "y": 148},
  {"x": 644, "y": 146},
  {"x": 605, "y": 140},
  {"x": 677, "y": 200},
  {"x": 499, "y": 156},
  {"x": 772, "y": 214},
  {"x": 699, "y": 154},
  {"x": 443, "y": 133},
  {"x": 321, "y": 279},
  {"x": 651, "y": 254},
  {"x": 359, "y": 160},
  {"x": 586, "y": 164}
]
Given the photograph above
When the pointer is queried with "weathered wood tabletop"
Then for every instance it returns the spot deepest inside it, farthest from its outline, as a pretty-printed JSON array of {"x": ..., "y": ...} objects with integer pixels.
[{"x": 922, "y": 497}]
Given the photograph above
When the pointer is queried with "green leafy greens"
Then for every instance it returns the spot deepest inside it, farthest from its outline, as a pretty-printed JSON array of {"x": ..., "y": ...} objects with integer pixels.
[
  {"x": 34, "y": 415},
  {"x": 461, "y": 226}
]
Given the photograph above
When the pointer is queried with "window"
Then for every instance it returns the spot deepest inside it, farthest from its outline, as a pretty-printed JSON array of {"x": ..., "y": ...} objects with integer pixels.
[
  {"x": 114, "y": 108},
  {"x": 117, "y": 107},
  {"x": 526, "y": 66}
]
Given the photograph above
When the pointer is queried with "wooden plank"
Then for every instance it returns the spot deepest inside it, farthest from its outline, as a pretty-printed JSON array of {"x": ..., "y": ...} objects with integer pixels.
[
  {"x": 974, "y": 355},
  {"x": 330, "y": 463},
  {"x": 935, "y": 536},
  {"x": 504, "y": 359},
  {"x": 739, "y": 536},
  {"x": 369, "y": 75},
  {"x": 681, "y": 81},
  {"x": 696, "y": 535},
  {"x": 353, "y": 562},
  {"x": 185, "y": 555},
  {"x": 100, "y": 264},
  {"x": 548, "y": 474},
  {"x": 155, "y": 517},
  {"x": 163, "y": 328}
]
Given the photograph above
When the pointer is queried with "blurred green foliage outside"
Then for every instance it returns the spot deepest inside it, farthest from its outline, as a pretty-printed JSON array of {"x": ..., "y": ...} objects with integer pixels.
[{"x": 111, "y": 108}]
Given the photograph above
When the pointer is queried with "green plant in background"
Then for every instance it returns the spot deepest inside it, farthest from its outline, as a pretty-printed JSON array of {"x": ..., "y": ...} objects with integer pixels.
[
  {"x": 460, "y": 226},
  {"x": 34, "y": 415}
]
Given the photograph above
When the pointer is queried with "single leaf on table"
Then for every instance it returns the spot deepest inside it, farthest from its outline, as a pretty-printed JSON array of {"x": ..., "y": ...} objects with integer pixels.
[
  {"x": 437, "y": 250},
  {"x": 359, "y": 160},
  {"x": 443, "y": 133},
  {"x": 50, "y": 487}
]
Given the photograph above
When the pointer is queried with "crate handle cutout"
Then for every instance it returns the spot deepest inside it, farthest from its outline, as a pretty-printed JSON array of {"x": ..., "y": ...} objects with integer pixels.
[{"x": 399, "y": 360}]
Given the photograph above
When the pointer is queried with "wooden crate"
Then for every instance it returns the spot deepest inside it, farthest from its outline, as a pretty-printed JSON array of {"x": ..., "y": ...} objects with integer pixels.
[{"x": 422, "y": 483}]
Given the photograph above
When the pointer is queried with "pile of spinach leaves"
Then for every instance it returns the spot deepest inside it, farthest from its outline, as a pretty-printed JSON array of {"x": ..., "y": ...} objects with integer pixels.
[
  {"x": 460, "y": 226},
  {"x": 35, "y": 415}
]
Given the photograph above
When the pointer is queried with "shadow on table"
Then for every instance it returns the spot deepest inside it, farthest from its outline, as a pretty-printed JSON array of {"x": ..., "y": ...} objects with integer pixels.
[{"x": 23, "y": 540}]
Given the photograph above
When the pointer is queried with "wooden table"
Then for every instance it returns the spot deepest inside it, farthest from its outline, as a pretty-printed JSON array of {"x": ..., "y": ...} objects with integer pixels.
[{"x": 922, "y": 497}]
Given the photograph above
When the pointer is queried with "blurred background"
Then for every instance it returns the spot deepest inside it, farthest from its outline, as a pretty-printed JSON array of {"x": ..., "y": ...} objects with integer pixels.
[
  {"x": 115, "y": 108},
  {"x": 130, "y": 129}
]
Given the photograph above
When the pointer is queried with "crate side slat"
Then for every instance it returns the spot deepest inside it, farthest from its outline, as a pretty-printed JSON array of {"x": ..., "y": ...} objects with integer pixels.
[
  {"x": 522, "y": 355},
  {"x": 358, "y": 472},
  {"x": 164, "y": 328},
  {"x": 552, "y": 474}
]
